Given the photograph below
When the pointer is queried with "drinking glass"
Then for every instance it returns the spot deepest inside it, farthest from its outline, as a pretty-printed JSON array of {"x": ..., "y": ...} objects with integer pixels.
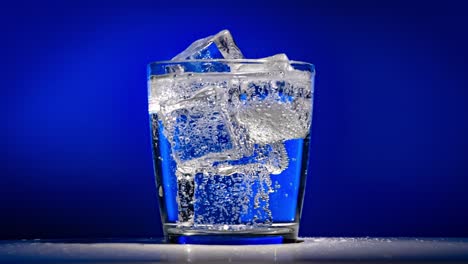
[{"x": 230, "y": 141}]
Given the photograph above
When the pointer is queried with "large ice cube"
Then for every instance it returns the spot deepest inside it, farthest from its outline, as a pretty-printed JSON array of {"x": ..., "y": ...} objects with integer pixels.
[
  {"x": 273, "y": 110},
  {"x": 198, "y": 127},
  {"x": 219, "y": 46}
]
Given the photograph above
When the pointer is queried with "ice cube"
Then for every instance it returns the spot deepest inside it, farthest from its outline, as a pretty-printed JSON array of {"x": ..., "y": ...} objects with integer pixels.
[
  {"x": 219, "y": 46},
  {"x": 238, "y": 198},
  {"x": 273, "y": 110},
  {"x": 221, "y": 199},
  {"x": 278, "y": 62},
  {"x": 200, "y": 130},
  {"x": 274, "y": 102},
  {"x": 272, "y": 156},
  {"x": 273, "y": 121},
  {"x": 197, "y": 126}
]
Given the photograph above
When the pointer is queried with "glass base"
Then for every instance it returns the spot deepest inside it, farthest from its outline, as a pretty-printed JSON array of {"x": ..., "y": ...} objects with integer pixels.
[{"x": 277, "y": 233}]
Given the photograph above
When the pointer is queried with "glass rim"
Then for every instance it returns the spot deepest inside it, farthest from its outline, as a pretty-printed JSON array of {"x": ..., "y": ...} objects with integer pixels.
[{"x": 251, "y": 61}]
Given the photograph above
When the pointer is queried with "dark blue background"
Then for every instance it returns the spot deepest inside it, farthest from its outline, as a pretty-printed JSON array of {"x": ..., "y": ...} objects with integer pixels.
[{"x": 389, "y": 143}]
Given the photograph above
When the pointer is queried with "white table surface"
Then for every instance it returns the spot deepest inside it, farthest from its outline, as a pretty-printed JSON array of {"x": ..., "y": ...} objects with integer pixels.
[{"x": 311, "y": 250}]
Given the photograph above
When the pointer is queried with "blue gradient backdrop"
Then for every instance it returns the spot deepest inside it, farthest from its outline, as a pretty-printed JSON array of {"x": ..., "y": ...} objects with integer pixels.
[{"x": 389, "y": 144}]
